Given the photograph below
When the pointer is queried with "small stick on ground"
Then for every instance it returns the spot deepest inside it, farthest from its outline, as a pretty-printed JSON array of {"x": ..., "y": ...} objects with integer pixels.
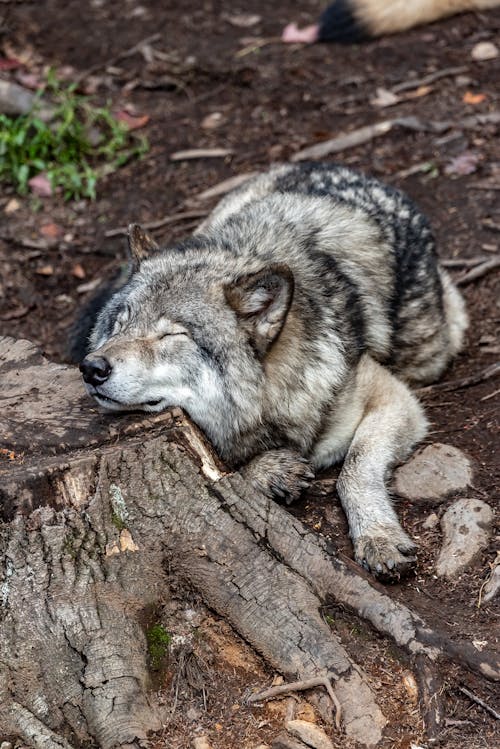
[
  {"x": 159, "y": 223},
  {"x": 417, "y": 82},
  {"x": 474, "y": 379},
  {"x": 480, "y": 702},
  {"x": 120, "y": 56},
  {"x": 488, "y": 224},
  {"x": 479, "y": 271},
  {"x": 463, "y": 262},
  {"x": 300, "y": 686}
]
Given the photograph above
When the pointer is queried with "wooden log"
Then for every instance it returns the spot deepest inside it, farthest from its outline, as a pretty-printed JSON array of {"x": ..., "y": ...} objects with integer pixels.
[{"x": 96, "y": 508}]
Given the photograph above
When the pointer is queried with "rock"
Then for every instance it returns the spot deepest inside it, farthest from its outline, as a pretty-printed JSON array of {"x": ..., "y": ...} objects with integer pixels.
[
  {"x": 311, "y": 734},
  {"x": 430, "y": 521},
  {"x": 466, "y": 526},
  {"x": 484, "y": 51},
  {"x": 201, "y": 742},
  {"x": 285, "y": 741},
  {"x": 5, "y": 745},
  {"x": 434, "y": 473}
]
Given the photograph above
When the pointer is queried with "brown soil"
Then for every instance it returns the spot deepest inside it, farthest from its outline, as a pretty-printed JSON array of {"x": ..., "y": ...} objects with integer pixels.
[{"x": 274, "y": 100}]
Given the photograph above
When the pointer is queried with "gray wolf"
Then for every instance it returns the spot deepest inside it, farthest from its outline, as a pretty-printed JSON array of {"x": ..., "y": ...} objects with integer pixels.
[
  {"x": 287, "y": 328},
  {"x": 349, "y": 21}
]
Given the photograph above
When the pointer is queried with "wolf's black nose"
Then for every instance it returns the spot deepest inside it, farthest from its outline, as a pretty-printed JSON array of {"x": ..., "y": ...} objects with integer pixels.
[{"x": 95, "y": 371}]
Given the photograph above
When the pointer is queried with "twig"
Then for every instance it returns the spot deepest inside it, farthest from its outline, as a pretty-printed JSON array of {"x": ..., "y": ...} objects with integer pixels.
[
  {"x": 221, "y": 188},
  {"x": 485, "y": 186},
  {"x": 492, "y": 225},
  {"x": 461, "y": 262},
  {"x": 479, "y": 271},
  {"x": 120, "y": 56},
  {"x": 491, "y": 395},
  {"x": 300, "y": 686},
  {"x": 171, "y": 219},
  {"x": 417, "y": 82},
  {"x": 257, "y": 44},
  {"x": 369, "y": 132},
  {"x": 480, "y": 702},
  {"x": 474, "y": 379},
  {"x": 201, "y": 153}
]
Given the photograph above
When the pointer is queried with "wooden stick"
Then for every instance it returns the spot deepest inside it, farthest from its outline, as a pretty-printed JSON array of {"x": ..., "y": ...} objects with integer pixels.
[
  {"x": 300, "y": 686},
  {"x": 116, "y": 58},
  {"x": 170, "y": 219},
  {"x": 474, "y": 379},
  {"x": 461, "y": 262},
  {"x": 417, "y": 82},
  {"x": 480, "y": 702},
  {"x": 479, "y": 271}
]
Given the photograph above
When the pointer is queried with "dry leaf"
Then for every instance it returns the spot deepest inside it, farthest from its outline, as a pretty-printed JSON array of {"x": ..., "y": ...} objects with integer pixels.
[
  {"x": 40, "y": 186},
  {"x": 9, "y": 63},
  {"x": 464, "y": 163},
  {"x": 78, "y": 271},
  {"x": 12, "y": 206},
  {"x": 470, "y": 98},
  {"x": 384, "y": 98},
  {"x": 30, "y": 80},
  {"x": 45, "y": 270},
  {"x": 52, "y": 231},
  {"x": 243, "y": 20},
  {"x": 212, "y": 120},
  {"x": 133, "y": 122}
]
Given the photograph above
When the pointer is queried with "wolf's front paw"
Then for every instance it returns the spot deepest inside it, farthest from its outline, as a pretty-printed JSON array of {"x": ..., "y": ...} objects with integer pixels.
[
  {"x": 388, "y": 556},
  {"x": 279, "y": 473}
]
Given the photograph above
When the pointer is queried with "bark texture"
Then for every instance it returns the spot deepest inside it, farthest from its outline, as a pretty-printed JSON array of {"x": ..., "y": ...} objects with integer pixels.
[{"x": 98, "y": 511}]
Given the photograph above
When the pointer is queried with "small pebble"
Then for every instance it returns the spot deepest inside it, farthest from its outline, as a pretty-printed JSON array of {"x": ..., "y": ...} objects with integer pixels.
[
  {"x": 484, "y": 51},
  {"x": 434, "y": 473}
]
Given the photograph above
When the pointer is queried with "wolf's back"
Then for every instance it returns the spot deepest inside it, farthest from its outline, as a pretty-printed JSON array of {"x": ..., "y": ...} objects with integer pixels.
[{"x": 403, "y": 308}]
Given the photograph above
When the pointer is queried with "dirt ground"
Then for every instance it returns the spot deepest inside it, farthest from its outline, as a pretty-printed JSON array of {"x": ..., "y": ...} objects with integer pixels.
[{"x": 206, "y": 81}]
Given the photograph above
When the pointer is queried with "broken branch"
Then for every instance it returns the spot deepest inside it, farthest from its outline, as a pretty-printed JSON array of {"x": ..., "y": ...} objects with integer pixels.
[
  {"x": 474, "y": 379},
  {"x": 300, "y": 686},
  {"x": 479, "y": 271}
]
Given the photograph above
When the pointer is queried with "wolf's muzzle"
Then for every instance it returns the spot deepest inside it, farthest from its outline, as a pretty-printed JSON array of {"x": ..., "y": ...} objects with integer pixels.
[{"x": 95, "y": 371}]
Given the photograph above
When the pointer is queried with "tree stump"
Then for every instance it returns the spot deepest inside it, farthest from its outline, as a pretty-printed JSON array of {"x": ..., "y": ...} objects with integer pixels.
[{"x": 99, "y": 510}]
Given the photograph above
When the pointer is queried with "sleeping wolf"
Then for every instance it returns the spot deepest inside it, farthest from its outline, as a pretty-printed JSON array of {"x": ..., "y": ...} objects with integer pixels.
[{"x": 286, "y": 328}]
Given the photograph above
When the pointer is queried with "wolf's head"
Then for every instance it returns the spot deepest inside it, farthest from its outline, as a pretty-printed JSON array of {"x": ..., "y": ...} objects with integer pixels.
[{"x": 188, "y": 330}]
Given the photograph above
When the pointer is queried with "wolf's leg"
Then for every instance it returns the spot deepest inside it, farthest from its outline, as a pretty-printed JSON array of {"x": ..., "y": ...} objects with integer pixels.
[
  {"x": 279, "y": 473},
  {"x": 392, "y": 423}
]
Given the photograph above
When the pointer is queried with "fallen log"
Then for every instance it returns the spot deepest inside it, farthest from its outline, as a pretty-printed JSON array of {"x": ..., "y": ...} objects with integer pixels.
[{"x": 99, "y": 511}]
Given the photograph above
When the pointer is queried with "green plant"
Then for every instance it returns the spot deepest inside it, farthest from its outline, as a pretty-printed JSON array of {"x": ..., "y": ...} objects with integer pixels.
[
  {"x": 158, "y": 643},
  {"x": 80, "y": 144}
]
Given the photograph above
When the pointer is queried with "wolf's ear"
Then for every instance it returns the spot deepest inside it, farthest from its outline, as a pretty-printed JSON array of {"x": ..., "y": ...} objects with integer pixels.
[
  {"x": 261, "y": 301},
  {"x": 140, "y": 244}
]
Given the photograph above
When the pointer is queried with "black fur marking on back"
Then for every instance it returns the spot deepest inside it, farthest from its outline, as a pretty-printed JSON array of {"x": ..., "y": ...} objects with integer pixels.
[{"x": 338, "y": 23}]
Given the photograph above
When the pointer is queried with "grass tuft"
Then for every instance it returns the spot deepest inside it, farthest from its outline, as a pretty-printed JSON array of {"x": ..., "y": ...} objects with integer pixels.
[{"x": 79, "y": 145}]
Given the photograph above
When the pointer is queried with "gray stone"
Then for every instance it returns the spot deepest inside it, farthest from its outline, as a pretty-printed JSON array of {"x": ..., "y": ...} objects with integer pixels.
[
  {"x": 430, "y": 521},
  {"x": 311, "y": 734},
  {"x": 434, "y": 473},
  {"x": 466, "y": 527},
  {"x": 285, "y": 741}
]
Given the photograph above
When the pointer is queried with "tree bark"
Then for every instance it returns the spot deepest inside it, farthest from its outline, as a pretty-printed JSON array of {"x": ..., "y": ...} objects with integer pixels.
[{"x": 99, "y": 511}]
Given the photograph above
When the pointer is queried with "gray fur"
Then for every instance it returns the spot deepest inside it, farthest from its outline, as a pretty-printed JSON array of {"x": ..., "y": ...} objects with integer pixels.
[{"x": 288, "y": 324}]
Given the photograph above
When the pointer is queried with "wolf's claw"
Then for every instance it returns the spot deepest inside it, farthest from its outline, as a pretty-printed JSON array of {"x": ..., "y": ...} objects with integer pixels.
[
  {"x": 384, "y": 557},
  {"x": 279, "y": 473}
]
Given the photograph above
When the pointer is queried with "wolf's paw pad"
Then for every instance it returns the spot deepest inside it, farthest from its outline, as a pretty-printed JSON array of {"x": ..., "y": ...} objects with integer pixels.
[
  {"x": 388, "y": 558},
  {"x": 281, "y": 474}
]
